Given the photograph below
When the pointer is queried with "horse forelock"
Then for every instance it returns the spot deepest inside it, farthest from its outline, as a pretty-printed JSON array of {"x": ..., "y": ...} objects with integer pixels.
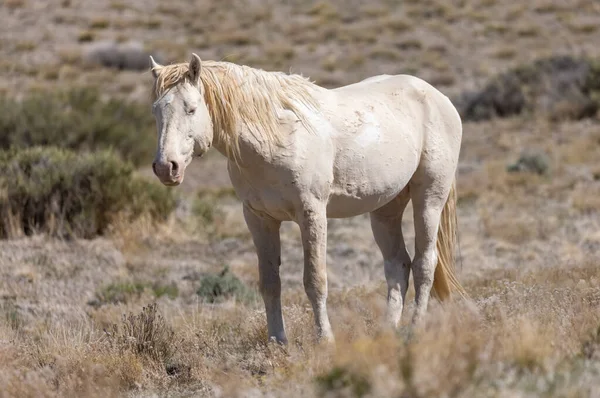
[
  {"x": 168, "y": 77},
  {"x": 238, "y": 96}
]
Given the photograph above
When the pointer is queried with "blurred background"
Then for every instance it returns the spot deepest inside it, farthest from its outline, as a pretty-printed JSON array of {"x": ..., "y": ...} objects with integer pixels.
[{"x": 87, "y": 233}]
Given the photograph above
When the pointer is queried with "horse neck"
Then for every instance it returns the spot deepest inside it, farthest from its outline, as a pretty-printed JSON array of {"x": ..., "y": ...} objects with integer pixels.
[
  {"x": 249, "y": 147},
  {"x": 219, "y": 144},
  {"x": 249, "y": 142}
]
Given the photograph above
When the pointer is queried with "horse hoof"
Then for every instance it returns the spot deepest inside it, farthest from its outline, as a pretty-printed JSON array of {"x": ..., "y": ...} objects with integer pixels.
[{"x": 283, "y": 341}]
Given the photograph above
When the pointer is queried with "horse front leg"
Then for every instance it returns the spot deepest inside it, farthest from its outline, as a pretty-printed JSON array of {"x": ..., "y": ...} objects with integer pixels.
[
  {"x": 313, "y": 228},
  {"x": 265, "y": 234}
]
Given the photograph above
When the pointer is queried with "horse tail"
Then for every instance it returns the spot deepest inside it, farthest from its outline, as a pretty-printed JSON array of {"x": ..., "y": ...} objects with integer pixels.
[{"x": 444, "y": 279}]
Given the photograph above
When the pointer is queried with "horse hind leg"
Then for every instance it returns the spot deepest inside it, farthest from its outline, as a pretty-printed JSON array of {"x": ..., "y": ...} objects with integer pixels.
[
  {"x": 386, "y": 223},
  {"x": 429, "y": 195}
]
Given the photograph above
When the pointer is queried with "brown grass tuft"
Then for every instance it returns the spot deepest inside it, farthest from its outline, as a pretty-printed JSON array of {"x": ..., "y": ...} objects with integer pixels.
[{"x": 146, "y": 335}]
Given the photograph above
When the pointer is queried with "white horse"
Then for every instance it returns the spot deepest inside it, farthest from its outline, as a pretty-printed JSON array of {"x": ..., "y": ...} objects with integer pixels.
[{"x": 299, "y": 152}]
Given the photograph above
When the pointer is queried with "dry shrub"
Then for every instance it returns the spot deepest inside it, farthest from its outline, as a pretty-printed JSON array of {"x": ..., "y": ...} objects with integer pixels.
[
  {"x": 121, "y": 56},
  {"x": 80, "y": 119},
  {"x": 58, "y": 192},
  {"x": 146, "y": 335},
  {"x": 142, "y": 347},
  {"x": 559, "y": 87}
]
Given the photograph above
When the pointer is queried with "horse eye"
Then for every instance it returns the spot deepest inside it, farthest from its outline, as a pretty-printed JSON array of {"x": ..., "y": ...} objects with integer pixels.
[{"x": 191, "y": 111}]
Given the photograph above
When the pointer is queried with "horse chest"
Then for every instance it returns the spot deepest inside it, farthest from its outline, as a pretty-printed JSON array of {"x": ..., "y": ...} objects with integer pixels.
[{"x": 264, "y": 195}]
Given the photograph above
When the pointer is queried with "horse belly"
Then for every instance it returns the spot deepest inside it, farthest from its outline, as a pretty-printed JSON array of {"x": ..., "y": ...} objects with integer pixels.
[
  {"x": 362, "y": 187},
  {"x": 344, "y": 206}
]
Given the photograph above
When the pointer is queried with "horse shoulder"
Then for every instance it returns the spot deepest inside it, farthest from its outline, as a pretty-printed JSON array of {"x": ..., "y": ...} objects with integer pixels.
[{"x": 276, "y": 178}]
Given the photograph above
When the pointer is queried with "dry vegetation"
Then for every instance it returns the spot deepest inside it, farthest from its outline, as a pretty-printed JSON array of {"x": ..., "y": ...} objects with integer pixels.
[{"x": 170, "y": 308}]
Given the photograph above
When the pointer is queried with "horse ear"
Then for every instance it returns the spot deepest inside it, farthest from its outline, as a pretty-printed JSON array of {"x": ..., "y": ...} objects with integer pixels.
[
  {"x": 195, "y": 68},
  {"x": 154, "y": 67}
]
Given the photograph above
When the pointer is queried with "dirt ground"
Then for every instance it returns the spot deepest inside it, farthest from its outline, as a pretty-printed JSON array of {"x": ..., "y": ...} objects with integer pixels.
[{"x": 529, "y": 243}]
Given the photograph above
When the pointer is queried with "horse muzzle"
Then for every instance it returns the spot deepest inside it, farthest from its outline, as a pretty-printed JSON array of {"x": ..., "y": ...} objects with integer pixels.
[{"x": 170, "y": 173}]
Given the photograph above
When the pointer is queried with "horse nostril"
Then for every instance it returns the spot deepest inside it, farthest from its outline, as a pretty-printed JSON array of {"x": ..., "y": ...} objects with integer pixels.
[
  {"x": 174, "y": 168},
  {"x": 154, "y": 168}
]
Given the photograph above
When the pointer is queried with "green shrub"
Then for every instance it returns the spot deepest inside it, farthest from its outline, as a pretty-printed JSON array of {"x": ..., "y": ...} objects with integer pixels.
[
  {"x": 78, "y": 119},
  {"x": 122, "y": 292},
  {"x": 219, "y": 287},
  {"x": 532, "y": 162},
  {"x": 171, "y": 290},
  {"x": 119, "y": 292},
  {"x": 62, "y": 193}
]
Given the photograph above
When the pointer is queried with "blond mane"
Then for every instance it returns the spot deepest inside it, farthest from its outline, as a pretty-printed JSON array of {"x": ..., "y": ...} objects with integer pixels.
[{"x": 239, "y": 96}]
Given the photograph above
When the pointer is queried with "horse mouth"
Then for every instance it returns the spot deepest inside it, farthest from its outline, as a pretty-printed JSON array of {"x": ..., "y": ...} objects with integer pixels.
[
  {"x": 174, "y": 181},
  {"x": 171, "y": 183}
]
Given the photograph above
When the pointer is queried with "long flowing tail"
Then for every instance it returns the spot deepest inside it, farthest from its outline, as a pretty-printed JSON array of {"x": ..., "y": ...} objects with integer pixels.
[{"x": 444, "y": 279}]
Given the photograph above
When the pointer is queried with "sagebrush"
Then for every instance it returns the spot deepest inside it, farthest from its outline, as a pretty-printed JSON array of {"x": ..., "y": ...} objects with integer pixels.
[
  {"x": 79, "y": 119},
  {"x": 62, "y": 193}
]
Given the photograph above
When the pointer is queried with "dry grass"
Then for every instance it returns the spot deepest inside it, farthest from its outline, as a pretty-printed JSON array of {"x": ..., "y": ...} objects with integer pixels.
[
  {"x": 470, "y": 29},
  {"x": 527, "y": 330}
]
